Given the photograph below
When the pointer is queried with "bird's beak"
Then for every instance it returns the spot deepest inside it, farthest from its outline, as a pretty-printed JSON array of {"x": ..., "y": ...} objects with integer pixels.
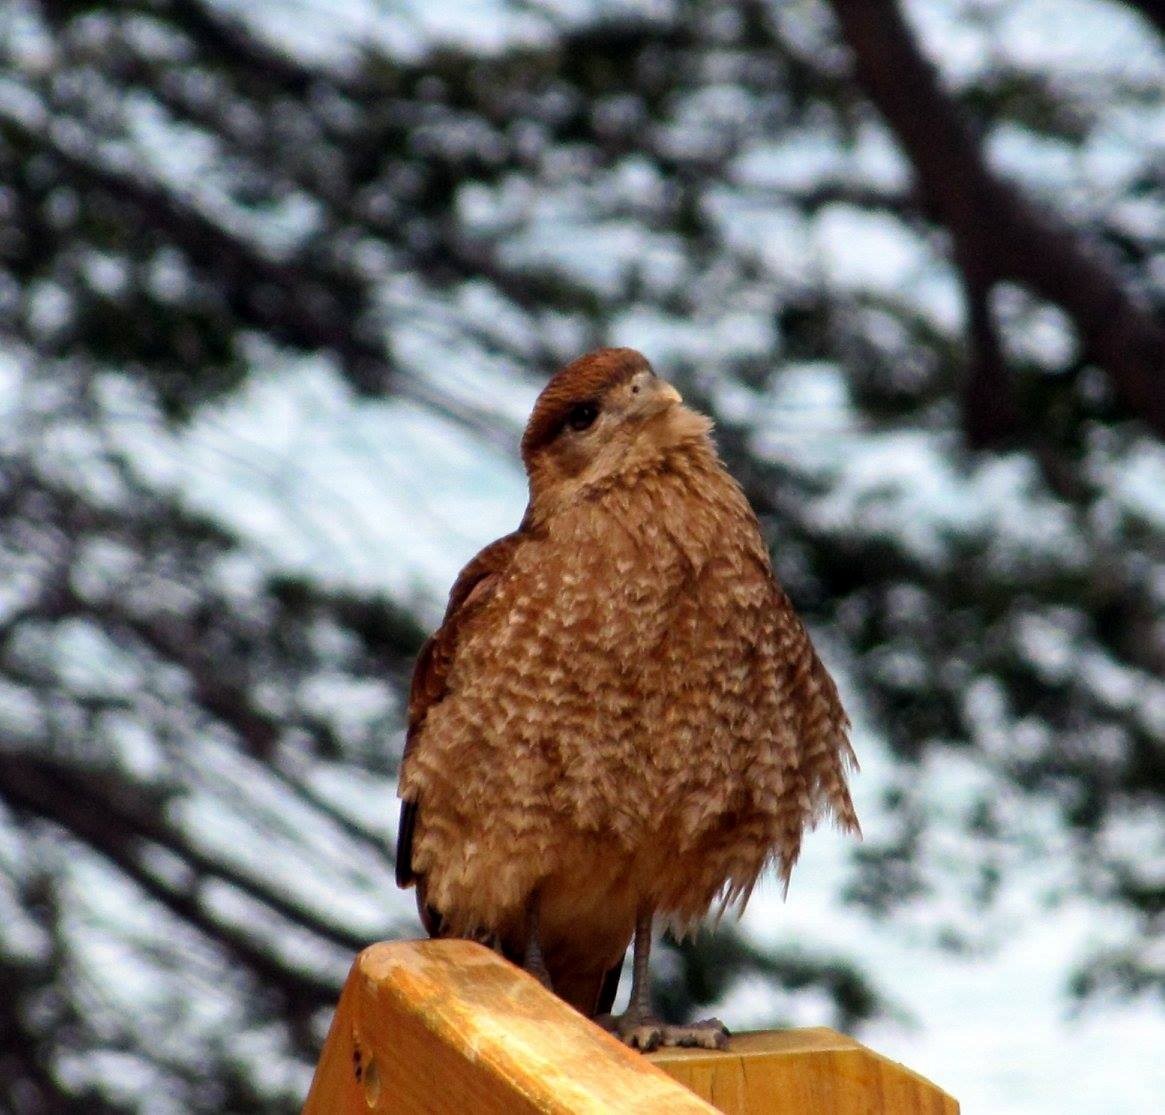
[
  {"x": 667, "y": 394},
  {"x": 650, "y": 396},
  {"x": 653, "y": 395}
]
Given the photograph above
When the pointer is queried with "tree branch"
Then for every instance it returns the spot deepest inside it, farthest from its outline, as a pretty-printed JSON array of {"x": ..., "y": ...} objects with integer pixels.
[
  {"x": 1152, "y": 10},
  {"x": 52, "y": 791},
  {"x": 999, "y": 233}
]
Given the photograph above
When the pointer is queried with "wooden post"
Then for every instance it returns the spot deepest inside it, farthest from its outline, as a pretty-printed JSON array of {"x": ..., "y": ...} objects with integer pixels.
[
  {"x": 448, "y": 1027},
  {"x": 794, "y": 1072}
]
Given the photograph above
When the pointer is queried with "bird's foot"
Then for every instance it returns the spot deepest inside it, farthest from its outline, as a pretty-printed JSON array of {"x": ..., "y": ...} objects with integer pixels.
[{"x": 645, "y": 1032}]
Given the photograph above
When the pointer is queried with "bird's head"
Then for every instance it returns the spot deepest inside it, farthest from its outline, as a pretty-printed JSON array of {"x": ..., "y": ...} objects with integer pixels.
[{"x": 603, "y": 414}]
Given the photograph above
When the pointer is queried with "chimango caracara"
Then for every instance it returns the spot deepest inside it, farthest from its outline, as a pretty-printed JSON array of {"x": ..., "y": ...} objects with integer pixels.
[{"x": 621, "y": 718}]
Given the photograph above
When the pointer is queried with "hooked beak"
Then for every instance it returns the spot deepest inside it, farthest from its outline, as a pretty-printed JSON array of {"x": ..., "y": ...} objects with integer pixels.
[
  {"x": 667, "y": 393},
  {"x": 652, "y": 395}
]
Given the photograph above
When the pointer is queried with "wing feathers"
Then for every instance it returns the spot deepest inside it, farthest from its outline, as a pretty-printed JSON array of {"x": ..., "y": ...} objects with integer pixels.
[{"x": 473, "y": 587}]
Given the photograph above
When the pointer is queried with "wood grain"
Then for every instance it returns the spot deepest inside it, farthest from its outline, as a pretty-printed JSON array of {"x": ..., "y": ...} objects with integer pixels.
[
  {"x": 448, "y": 1027},
  {"x": 793, "y": 1072}
]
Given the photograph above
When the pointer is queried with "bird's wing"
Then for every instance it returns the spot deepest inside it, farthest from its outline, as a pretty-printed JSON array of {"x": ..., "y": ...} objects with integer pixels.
[
  {"x": 825, "y": 755},
  {"x": 474, "y": 586}
]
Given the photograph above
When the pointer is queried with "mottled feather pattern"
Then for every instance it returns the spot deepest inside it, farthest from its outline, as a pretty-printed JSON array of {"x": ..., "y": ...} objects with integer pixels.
[
  {"x": 621, "y": 708},
  {"x": 471, "y": 588}
]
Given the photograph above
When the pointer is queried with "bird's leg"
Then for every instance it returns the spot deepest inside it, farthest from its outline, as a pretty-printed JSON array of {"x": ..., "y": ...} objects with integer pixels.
[
  {"x": 532, "y": 955},
  {"x": 638, "y": 1026}
]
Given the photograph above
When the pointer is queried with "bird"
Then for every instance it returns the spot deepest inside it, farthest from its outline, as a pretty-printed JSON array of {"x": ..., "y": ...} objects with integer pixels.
[{"x": 621, "y": 721}]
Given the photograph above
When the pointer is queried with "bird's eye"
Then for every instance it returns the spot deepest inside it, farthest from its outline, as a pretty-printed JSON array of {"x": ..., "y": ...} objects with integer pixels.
[{"x": 582, "y": 416}]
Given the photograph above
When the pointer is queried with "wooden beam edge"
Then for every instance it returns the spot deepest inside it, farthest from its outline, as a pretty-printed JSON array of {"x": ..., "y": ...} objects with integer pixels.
[
  {"x": 434, "y": 1026},
  {"x": 449, "y": 1026}
]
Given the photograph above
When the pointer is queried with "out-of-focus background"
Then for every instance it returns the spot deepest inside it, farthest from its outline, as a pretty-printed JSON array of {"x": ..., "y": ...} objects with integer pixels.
[{"x": 279, "y": 280}]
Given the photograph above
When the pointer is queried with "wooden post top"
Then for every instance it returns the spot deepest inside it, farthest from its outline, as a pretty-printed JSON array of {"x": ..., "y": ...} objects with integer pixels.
[
  {"x": 448, "y": 1027},
  {"x": 803, "y": 1072}
]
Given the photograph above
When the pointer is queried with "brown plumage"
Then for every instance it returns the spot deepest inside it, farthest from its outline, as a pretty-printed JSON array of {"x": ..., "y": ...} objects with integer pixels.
[{"x": 621, "y": 717}]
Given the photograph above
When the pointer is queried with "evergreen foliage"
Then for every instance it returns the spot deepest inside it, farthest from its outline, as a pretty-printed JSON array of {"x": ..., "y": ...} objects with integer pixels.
[{"x": 937, "y": 363}]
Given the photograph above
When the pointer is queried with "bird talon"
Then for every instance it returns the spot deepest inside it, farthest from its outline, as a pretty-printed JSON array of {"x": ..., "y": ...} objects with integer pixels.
[
  {"x": 709, "y": 1033},
  {"x": 647, "y": 1034},
  {"x": 645, "y": 1037}
]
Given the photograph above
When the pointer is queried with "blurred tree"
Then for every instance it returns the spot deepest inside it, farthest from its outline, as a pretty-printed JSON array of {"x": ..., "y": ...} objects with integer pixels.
[{"x": 790, "y": 203}]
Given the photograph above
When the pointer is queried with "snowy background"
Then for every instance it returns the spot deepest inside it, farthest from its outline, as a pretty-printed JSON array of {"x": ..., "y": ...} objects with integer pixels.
[{"x": 384, "y": 495}]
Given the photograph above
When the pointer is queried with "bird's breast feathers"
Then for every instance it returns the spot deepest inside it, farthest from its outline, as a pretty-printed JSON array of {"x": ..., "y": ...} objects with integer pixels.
[{"x": 613, "y": 572}]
